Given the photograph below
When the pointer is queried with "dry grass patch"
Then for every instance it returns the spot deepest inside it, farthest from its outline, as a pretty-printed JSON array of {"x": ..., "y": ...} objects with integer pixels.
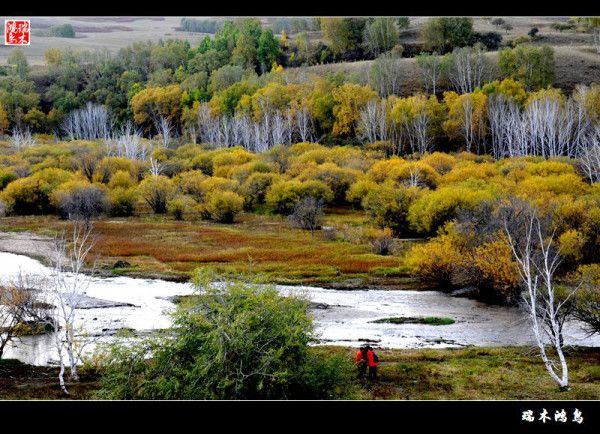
[{"x": 256, "y": 244}]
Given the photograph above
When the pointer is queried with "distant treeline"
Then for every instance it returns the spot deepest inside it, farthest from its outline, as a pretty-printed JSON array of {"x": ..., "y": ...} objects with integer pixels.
[
  {"x": 238, "y": 88},
  {"x": 201, "y": 25},
  {"x": 60, "y": 31},
  {"x": 296, "y": 25}
]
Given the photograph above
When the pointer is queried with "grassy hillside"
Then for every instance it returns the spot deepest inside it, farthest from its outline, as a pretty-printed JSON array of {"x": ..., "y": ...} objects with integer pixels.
[{"x": 576, "y": 64}]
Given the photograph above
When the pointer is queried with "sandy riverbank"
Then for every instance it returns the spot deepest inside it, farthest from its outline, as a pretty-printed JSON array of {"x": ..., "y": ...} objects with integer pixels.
[{"x": 27, "y": 243}]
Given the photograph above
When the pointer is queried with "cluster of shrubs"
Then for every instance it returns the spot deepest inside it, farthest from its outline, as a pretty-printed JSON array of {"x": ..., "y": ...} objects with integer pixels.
[
  {"x": 469, "y": 247},
  {"x": 79, "y": 179},
  {"x": 411, "y": 196},
  {"x": 437, "y": 195}
]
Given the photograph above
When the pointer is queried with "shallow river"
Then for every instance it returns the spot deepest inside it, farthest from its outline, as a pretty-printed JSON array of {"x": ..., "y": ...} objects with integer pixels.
[{"x": 346, "y": 320}]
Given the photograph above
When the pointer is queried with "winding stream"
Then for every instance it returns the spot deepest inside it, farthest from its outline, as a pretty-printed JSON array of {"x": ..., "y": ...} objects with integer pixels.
[{"x": 345, "y": 321}]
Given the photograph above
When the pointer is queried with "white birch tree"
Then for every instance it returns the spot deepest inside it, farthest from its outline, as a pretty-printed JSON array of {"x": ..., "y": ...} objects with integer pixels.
[
  {"x": 469, "y": 69},
  {"x": 21, "y": 138},
  {"x": 68, "y": 284},
  {"x": 88, "y": 123},
  {"x": 537, "y": 260}
]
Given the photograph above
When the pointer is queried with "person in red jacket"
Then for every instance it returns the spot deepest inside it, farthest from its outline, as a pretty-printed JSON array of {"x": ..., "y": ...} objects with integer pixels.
[
  {"x": 361, "y": 362},
  {"x": 372, "y": 361}
]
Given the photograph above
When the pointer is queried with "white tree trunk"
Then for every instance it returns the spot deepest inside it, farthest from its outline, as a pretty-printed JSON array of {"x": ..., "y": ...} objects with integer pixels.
[{"x": 537, "y": 261}]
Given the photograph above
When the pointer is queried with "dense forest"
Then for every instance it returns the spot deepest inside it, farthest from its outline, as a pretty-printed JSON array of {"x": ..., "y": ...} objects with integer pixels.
[{"x": 240, "y": 87}]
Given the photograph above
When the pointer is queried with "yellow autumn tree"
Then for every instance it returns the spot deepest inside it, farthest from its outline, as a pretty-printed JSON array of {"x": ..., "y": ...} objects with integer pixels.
[
  {"x": 494, "y": 263},
  {"x": 189, "y": 115},
  {"x": 571, "y": 244},
  {"x": 380, "y": 170},
  {"x": 440, "y": 161},
  {"x": 589, "y": 97},
  {"x": 284, "y": 40},
  {"x": 273, "y": 97},
  {"x": 153, "y": 102},
  {"x": 407, "y": 115},
  {"x": 508, "y": 87},
  {"x": 349, "y": 99},
  {"x": 467, "y": 118},
  {"x": 436, "y": 261},
  {"x": 276, "y": 68},
  {"x": 321, "y": 102},
  {"x": 552, "y": 93},
  {"x": 410, "y": 107}
]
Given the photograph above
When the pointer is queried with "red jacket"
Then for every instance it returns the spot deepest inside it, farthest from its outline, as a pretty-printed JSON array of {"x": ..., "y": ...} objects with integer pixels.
[
  {"x": 359, "y": 356},
  {"x": 371, "y": 359}
]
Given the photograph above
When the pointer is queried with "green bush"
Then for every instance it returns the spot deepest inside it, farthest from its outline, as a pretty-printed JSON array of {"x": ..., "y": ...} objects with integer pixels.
[
  {"x": 59, "y": 31},
  {"x": 6, "y": 177},
  {"x": 242, "y": 172},
  {"x": 283, "y": 196},
  {"x": 31, "y": 195},
  {"x": 182, "y": 207},
  {"x": 24, "y": 196},
  {"x": 434, "y": 208},
  {"x": 109, "y": 166},
  {"x": 388, "y": 205},
  {"x": 255, "y": 188},
  {"x": 359, "y": 190},
  {"x": 533, "y": 65},
  {"x": 233, "y": 156},
  {"x": 336, "y": 178},
  {"x": 192, "y": 183},
  {"x": 123, "y": 201},
  {"x": 156, "y": 191},
  {"x": 121, "y": 178},
  {"x": 204, "y": 163},
  {"x": 236, "y": 340},
  {"x": 224, "y": 206},
  {"x": 316, "y": 189}
]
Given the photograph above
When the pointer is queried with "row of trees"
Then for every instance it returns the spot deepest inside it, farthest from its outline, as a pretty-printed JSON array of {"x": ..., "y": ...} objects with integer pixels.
[
  {"x": 75, "y": 78},
  {"x": 501, "y": 119},
  {"x": 239, "y": 49},
  {"x": 371, "y": 35},
  {"x": 412, "y": 197},
  {"x": 78, "y": 78},
  {"x": 173, "y": 108},
  {"x": 273, "y": 128}
]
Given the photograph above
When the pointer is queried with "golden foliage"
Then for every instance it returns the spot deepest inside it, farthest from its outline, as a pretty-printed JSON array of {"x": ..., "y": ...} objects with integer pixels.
[
  {"x": 494, "y": 260},
  {"x": 349, "y": 99},
  {"x": 435, "y": 261}
]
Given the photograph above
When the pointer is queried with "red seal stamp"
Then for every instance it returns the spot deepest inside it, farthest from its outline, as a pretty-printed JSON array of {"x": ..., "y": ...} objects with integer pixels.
[{"x": 17, "y": 32}]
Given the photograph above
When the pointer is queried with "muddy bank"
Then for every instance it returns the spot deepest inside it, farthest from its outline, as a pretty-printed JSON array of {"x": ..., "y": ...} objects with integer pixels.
[
  {"x": 40, "y": 248},
  {"x": 22, "y": 381},
  {"x": 28, "y": 244}
]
